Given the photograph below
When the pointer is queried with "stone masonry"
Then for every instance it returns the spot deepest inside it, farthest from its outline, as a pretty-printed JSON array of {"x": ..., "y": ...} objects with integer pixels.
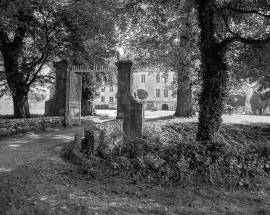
[
  {"x": 56, "y": 105},
  {"x": 128, "y": 109},
  {"x": 107, "y": 135}
]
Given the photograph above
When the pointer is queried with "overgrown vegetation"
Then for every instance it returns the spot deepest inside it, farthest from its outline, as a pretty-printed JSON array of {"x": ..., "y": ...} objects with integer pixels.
[
  {"x": 11, "y": 116},
  {"x": 168, "y": 155},
  {"x": 239, "y": 156}
]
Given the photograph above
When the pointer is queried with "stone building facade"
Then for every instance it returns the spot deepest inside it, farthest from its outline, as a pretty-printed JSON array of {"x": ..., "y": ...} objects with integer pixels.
[
  {"x": 160, "y": 97},
  {"x": 107, "y": 98}
]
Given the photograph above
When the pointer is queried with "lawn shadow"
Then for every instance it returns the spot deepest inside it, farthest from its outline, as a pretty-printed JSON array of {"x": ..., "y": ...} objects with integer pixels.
[{"x": 159, "y": 118}]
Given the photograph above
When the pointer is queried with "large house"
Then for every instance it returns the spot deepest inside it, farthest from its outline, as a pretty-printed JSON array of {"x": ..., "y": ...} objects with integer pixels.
[{"x": 160, "y": 97}]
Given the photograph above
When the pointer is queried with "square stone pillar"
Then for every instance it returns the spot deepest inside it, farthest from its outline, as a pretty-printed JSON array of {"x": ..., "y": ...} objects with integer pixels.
[
  {"x": 56, "y": 105},
  {"x": 128, "y": 109}
]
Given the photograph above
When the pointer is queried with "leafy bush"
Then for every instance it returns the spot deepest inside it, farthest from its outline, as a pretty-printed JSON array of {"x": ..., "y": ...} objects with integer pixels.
[
  {"x": 171, "y": 153},
  {"x": 238, "y": 157},
  {"x": 7, "y": 116},
  {"x": 142, "y": 94},
  {"x": 103, "y": 106}
]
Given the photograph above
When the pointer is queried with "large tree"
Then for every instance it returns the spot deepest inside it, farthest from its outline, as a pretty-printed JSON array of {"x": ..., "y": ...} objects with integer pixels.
[
  {"x": 34, "y": 32},
  {"x": 159, "y": 36},
  {"x": 223, "y": 23}
]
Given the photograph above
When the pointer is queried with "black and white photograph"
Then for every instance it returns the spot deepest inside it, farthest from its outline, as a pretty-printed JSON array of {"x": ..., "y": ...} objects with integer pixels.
[{"x": 134, "y": 107}]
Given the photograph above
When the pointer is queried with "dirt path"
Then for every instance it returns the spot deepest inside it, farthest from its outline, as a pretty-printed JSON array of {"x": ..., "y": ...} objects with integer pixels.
[{"x": 18, "y": 150}]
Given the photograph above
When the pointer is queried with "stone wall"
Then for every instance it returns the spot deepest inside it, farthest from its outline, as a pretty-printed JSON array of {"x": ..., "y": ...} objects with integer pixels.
[
  {"x": 10, "y": 127},
  {"x": 103, "y": 137}
]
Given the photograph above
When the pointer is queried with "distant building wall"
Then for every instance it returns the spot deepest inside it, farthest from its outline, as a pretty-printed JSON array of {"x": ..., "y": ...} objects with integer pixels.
[
  {"x": 153, "y": 83},
  {"x": 107, "y": 97}
]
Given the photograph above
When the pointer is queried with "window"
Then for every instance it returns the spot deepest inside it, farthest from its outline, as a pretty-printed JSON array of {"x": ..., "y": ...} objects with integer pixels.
[
  {"x": 165, "y": 93},
  {"x": 103, "y": 89},
  {"x": 174, "y": 94},
  {"x": 158, "y": 78},
  {"x": 111, "y": 88},
  {"x": 102, "y": 99},
  {"x": 157, "y": 92},
  {"x": 166, "y": 79},
  {"x": 143, "y": 78},
  {"x": 111, "y": 99}
]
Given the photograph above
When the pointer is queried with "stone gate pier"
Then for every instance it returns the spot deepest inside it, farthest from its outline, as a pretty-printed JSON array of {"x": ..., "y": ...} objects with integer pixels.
[
  {"x": 56, "y": 105},
  {"x": 128, "y": 109}
]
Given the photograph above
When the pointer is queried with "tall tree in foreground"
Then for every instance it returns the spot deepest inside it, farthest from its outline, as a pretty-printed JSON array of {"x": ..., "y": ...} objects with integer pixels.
[
  {"x": 34, "y": 32},
  {"x": 223, "y": 23}
]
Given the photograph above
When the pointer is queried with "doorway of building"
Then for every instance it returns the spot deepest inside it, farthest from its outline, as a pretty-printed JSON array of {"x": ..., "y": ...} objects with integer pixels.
[{"x": 165, "y": 107}]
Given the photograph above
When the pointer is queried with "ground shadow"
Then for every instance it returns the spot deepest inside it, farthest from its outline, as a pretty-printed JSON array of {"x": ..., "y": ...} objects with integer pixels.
[{"x": 159, "y": 118}]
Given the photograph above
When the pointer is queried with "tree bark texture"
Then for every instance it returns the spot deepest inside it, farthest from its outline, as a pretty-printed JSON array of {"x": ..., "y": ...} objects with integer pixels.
[
  {"x": 87, "y": 108},
  {"x": 184, "y": 95},
  {"x": 20, "y": 104},
  {"x": 213, "y": 74},
  {"x": 19, "y": 89}
]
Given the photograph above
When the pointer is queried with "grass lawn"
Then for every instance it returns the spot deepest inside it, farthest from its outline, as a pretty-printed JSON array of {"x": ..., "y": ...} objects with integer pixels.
[{"x": 154, "y": 115}]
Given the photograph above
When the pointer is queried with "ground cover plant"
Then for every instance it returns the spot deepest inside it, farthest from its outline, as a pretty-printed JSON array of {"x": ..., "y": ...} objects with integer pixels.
[
  {"x": 11, "y": 116},
  {"x": 10, "y": 127},
  {"x": 166, "y": 172},
  {"x": 170, "y": 153}
]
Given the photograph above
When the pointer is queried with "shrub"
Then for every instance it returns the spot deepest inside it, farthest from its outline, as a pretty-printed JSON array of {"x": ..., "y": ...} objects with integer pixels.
[
  {"x": 103, "y": 106},
  {"x": 171, "y": 154},
  {"x": 7, "y": 116}
]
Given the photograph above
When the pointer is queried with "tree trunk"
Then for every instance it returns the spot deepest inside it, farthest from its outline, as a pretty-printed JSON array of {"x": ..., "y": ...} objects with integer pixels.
[
  {"x": 88, "y": 108},
  {"x": 213, "y": 73},
  {"x": 20, "y": 104},
  {"x": 19, "y": 89},
  {"x": 184, "y": 95}
]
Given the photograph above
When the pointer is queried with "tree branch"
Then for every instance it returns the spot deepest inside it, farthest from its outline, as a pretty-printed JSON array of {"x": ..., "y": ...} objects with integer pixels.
[
  {"x": 38, "y": 70},
  {"x": 246, "y": 40},
  {"x": 19, "y": 36},
  {"x": 33, "y": 66},
  {"x": 247, "y": 11},
  {"x": 3, "y": 38},
  {"x": 238, "y": 38}
]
